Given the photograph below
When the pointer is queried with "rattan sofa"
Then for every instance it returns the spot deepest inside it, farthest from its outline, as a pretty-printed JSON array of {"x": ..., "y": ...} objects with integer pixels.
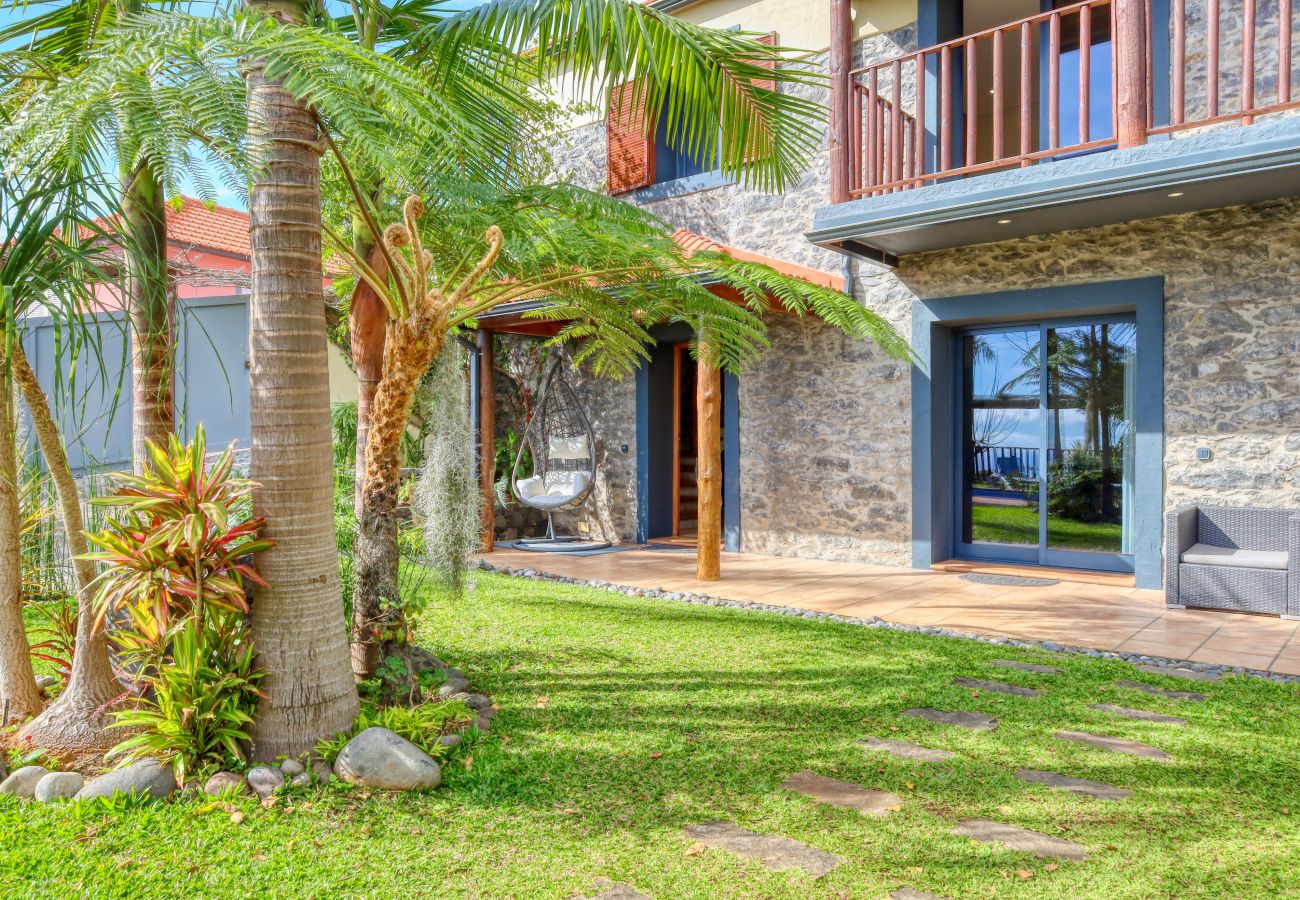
[{"x": 1237, "y": 558}]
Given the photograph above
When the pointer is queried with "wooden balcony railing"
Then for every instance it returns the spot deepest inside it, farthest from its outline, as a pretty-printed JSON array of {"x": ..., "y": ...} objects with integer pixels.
[{"x": 1079, "y": 79}]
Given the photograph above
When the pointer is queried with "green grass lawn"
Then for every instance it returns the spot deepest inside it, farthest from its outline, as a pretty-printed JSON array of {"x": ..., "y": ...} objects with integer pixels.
[
  {"x": 1019, "y": 525},
  {"x": 624, "y": 720}
]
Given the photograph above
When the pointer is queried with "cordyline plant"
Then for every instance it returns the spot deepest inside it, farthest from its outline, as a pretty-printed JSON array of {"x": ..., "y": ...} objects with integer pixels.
[{"x": 174, "y": 553}]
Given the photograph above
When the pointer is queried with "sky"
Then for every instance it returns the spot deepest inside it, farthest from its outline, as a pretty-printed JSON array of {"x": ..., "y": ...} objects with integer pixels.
[{"x": 11, "y": 11}]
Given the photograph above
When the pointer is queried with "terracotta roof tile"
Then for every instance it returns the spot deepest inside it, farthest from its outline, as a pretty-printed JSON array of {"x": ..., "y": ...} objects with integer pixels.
[{"x": 217, "y": 228}]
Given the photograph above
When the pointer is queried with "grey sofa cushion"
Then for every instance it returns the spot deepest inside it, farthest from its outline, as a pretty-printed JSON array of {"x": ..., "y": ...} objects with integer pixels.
[{"x": 1210, "y": 555}]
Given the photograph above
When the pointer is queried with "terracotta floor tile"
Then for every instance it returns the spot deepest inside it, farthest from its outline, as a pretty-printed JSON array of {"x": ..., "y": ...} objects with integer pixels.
[
  {"x": 1286, "y": 666},
  {"x": 1229, "y": 658},
  {"x": 1257, "y": 645},
  {"x": 1167, "y": 626},
  {"x": 1173, "y": 649}
]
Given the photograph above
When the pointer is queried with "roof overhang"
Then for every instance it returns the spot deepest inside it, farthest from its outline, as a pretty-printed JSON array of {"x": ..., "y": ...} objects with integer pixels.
[{"x": 1229, "y": 166}]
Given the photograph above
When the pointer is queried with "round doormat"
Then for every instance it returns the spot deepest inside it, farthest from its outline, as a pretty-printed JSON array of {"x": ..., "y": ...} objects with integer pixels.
[{"x": 1009, "y": 580}]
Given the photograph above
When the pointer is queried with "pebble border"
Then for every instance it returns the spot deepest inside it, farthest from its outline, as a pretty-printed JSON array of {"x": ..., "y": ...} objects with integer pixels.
[{"x": 876, "y": 622}]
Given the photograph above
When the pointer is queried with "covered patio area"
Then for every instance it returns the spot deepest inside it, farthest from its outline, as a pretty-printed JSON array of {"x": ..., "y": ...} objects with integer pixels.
[{"x": 1100, "y": 616}]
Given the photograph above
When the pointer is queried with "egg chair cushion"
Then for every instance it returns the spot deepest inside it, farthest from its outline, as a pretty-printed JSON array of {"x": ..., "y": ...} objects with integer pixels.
[
  {"x": 574, "y": 447},
  {"x": 554, "y": 491}
]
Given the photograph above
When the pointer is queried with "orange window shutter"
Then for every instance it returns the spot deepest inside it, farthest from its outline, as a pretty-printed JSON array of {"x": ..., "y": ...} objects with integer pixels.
[
  {"x": 770, "y": 39},
  {"x": 629, "y": 143}
]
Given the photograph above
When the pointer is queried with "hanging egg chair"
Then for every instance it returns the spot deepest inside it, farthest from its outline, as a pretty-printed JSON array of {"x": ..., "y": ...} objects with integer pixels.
[{"x": 559, "y": 447}]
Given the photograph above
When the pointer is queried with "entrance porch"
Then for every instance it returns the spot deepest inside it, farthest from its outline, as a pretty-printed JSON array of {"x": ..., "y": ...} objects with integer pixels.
[{"x": 1111, "y": 617}]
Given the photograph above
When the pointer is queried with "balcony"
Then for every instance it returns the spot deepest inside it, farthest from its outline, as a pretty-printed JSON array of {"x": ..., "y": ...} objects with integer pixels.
[{"x": 1092, "y": 113}]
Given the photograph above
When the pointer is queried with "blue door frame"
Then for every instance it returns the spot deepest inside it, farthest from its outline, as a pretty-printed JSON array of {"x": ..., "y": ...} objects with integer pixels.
[{"x": 935, "y": 401}]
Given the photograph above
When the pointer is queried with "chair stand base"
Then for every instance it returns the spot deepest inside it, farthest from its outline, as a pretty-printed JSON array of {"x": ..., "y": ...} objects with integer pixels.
[
  {"x": 1290, "y": 618},
  {"x": 1175, "y": 606},
  {"x": 562, "y": 543}
]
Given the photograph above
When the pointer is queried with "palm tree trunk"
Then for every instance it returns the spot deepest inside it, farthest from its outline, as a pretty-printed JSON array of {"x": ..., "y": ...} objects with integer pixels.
[
  {"x": 18, "y": 691},
  {"x": 144, "y": 216},
  {"x": 77, "y": 721},
  {"x": 298, "y": 626}
]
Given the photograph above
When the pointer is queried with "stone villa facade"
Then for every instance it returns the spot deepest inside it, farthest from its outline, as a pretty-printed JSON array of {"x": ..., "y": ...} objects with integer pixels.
[{"x": 829, "y": 429}]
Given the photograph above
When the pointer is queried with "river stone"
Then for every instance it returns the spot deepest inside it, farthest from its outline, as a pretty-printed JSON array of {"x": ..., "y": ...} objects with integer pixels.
[
  {"x": 1180, "y": 672},
  {"x": 1013, "y": 837},
  {"x": 1113, "y": 744},
  {"x": 1077, "y": 785},
  {"x": 225, "y": 781},
  {"x": 301, "y": 780},
  {"x": 58, "y": 786},
  {"x": 1027, "y": 667},
  {"x": 381, "y": 759},
  {"x": 842, "y": 794},
  {"x": 323, "y": 771},
  {"x": 904, "y": 750},
  {"x": 972, "y": 720},
  {"x": 450, "y": 740},
  {"x": 265, "y": 780},
  {"x": 997, "y": 687},
  {"x": 1142, "y": 715},
  {"x": 22, "y": 782},
  {"x": 148, "y": 777},
  {"x": 291, "y": 767},
  {"x": 776, "y": 853},
  {"x": 452, "y": 686},
  {"x": 1191, "y": 696},
  {"x": 45, "y": 682}
]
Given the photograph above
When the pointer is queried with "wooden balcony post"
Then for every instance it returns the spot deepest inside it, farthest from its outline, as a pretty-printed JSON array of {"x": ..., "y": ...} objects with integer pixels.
[
  {"x": 1131, "y": 72},
  {"x": 708, "y": 472},
  {"x": 486, "y": 436},
  {"x": 841, "y": 67}
]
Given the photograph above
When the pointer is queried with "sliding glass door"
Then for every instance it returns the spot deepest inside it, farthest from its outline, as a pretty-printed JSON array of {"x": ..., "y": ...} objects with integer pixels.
[{"x": 1046, "y": 443}]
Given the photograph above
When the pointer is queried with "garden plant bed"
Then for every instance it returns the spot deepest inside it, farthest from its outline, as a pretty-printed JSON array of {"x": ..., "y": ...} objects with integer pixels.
[{"x": 626, "y": 721}]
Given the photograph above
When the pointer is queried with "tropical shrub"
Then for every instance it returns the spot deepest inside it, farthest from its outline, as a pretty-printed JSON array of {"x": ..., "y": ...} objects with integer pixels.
[{"x": 177, "y": 567}]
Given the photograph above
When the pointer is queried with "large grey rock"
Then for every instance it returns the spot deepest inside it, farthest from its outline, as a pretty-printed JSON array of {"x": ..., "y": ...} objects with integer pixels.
[
  {"x": 148, "y": 777},
  {"x": 22, "y": 782},
  {"x": 1190, "y": 696},
  {"x": 777, "y": 853},
  {"x": 961, "y": 718},
  {"x": 381, "y": 759},
  {"x": 1014, "y": 837},
  {"x": 1142, "y": 715},
  {"x": 1113, "y": 744},
  {"x": 265, "y": 780},
  {"x": 843, "y": 794},
  {"x": 1027, "y": 667},
  {"x": 222, "y": 782},
  {"x": 997, "y": 687},
  {"x": 58, "y": 786},
  {"x": 1077, "y": 785},
  {"x": 904, "y": 750},
  {"x": 1181, "y": 672}
]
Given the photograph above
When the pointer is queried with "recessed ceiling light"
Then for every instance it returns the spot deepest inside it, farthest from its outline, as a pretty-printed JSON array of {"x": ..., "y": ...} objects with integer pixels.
[
  {"x": 1004, "y": 221},
  {"x": 1176, "y": 194}
]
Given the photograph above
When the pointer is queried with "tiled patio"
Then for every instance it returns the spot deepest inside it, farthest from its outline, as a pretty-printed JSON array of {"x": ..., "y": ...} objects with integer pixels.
[{"x": 1088, "y": 615}]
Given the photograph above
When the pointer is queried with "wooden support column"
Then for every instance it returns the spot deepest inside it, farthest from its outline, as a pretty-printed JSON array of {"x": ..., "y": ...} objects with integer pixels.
[
  {"x": 708, "y": 473},
  {"x": 1131, "y": 72},
  {"x": 841, "y": 67},
  {"x": 486, "y": 436}
]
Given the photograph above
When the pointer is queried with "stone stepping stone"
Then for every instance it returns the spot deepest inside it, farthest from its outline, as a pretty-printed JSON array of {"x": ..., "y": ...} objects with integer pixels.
[
  {"x": 776, "y": 853},
  {"x": 1180, "y": 672},
  {"x": 961, "y": 718},
  {"x": 1077, "y": 785},
  {"x": 1013, "y": 837},
  {"x": 904, "y": 750},
  {"x": 997, "y": 687},
  {"x": 1027, "y": 667},
  {"x": 1151, "y": 689},
  {"x": 1142, "y": 715},
  {"x": 613, "y": 890},
  {"x": 908, "y": 893},
  {"x": 1113, "y": 744},
  {"x": 843, "y": 794}
]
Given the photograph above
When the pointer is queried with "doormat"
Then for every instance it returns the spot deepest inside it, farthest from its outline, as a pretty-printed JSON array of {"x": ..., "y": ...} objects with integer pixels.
[
  {"x": 1009, "y": 580},
  {"x": 597, "y": 551}
]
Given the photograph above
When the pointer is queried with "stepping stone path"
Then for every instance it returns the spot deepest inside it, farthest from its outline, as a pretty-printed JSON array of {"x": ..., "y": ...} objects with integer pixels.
[
  {"x": 904, "y": 750},
  {"x": 912, "y": 894},
  {"x": 1190, "y": 696},
  {"x": 1027, "y": 667},
  {"x": 842, "y": 794},
  {"x": 776, "y": 853},
  {"x": 1013, "y": 837},
  {"x": 1077, "y": 785},
  {"x": 1190, "y": 674},
  {"x": 1115, "y": 745},
  {"x": 1142, "y": 715},
  {"x": 613, "y": 890},
  {"x": 997, "y": 687},
  {"x": 962, "y": 719}
]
